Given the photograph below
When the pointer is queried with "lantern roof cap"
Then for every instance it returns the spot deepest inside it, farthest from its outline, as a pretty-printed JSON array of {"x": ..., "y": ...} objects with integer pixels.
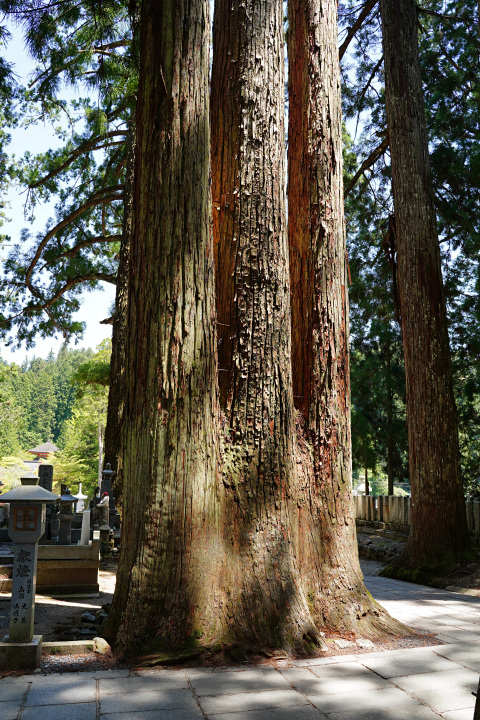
[
  {"x": 67, "y": 496},
  {"x": 28, "y": 493}
]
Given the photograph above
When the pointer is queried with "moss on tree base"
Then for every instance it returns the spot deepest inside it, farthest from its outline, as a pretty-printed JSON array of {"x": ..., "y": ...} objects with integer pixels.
[{"x": 431, "y": 574}]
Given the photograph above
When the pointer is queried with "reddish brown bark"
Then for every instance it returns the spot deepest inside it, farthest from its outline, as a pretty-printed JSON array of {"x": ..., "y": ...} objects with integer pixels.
[
  {"x": 268, "y": 603},
  {"x": 320, "y": 353},
  {"x": 439, "y": 532}
]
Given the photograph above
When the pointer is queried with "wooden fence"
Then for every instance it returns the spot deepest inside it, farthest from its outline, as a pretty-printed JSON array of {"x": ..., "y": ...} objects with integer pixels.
[{"x": 395, "y": 512}]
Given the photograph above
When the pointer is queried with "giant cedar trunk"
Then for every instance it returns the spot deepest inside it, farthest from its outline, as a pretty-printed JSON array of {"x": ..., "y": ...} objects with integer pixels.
[
  {"x": 439, "y": 531},
  {"x": 167, "y": 568},
  {"x": 116, "y": 393},
  {"x": 268, "y": 605},
  {"x": 320, "y": 354}
]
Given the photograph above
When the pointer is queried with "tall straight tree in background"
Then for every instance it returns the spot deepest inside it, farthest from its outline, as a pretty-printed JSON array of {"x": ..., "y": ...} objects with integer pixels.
[
  {"x": 166, "y": 574},
  {"x": 319, "y": 292},
  {"x": 438, "y": 535}
]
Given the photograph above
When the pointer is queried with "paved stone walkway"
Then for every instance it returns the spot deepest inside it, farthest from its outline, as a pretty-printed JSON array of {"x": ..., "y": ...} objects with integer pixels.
[{"x": 414, "y": 684}]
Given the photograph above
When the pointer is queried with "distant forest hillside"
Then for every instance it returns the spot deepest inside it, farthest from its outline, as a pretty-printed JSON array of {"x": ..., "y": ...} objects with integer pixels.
[{"x": 62, "y": 399}]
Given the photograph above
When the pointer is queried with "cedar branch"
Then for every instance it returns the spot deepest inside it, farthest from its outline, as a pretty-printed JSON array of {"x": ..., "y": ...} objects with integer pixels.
[
  {"x": 101, "y": 196},
  {"x": 367, "y": 8},
  {"x": 90, "y": 145},
  {"x": 367, "y": 163}
]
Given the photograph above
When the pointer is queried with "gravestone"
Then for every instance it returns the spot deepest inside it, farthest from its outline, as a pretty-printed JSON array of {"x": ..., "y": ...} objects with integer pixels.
[
  {"x": 45, "y": 477},
  {"x": 65, "y": 516}
]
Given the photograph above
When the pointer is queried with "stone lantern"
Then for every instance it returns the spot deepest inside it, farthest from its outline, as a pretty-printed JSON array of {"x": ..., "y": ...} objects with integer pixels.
[
  {"x": 21, "y": 649},
  {"x": 80, "y": 498},
  {"x": 67, "y": 501}
]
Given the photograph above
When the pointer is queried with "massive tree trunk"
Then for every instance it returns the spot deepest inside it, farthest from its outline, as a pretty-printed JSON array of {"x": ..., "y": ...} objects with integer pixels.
[
  {"x": 439, "y": 533},
  {"x": 268, "y": 604},
  {"x": 320, "y": 354},
  {"x": 167, "y": 572},
  {"x": 116, "y": 393}
]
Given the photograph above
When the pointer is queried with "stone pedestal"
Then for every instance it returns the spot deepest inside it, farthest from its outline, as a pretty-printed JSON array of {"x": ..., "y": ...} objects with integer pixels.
[{"x": 20, "y": 656}]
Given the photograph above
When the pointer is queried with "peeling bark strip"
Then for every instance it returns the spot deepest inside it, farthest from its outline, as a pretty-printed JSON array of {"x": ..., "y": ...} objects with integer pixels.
[
  {"x": 320, "y": 354},
  {"x": 268, "y": 606},
  {"x": 167, "y": 569},
  {"x": 439, "y": 530}
]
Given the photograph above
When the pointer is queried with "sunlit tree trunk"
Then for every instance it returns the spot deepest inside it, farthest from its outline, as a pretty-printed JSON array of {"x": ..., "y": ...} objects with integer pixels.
[
  {"x": 167, "y": 572},
  {"x": 319, "y": 296}
]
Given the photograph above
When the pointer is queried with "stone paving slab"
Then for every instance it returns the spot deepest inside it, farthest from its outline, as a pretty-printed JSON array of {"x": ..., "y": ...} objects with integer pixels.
[
  {"x": 348, "y": 678},
  {"x": 12, "y": 692},
  {"x": 176, "y": 714},
  {"x": 437, "y": 681},
  {"x": 306, "y": 712},
  {"x": 372, "y": 699},
  {"x": 62, "y": 693},
  {"x": 452, "y": 698},
  {"x": 332, "y": 660},
  {"x": 128, "y": 702},
  {"x": 83, "y": 711},
  {"x": 342, "y": 685},
  {"x": 466, "y": 714},
  {"x": 239, "y": 682},
  {"x": 400, "y": 662},
  {"x": 144, "y": 683},
  {"x": 9, "y": 710},
  {"x": 224, "y": 704},
  {"x": 412, "y": 712}
]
